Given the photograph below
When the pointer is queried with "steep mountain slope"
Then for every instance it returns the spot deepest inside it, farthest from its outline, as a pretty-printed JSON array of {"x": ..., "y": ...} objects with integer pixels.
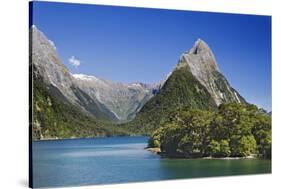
[
  {"x": 195, "y": 83},
  {"x": 122, "y": 99},
  {"x": 47, "y": 65},
  {"x": 55, "y": 117},
  {"x": 203, "y": 66},
  {"x": 104, "y": 99},
  {"x": 180, "y": 90}
]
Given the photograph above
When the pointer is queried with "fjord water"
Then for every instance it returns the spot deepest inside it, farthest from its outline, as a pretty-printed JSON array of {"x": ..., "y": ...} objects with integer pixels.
[{"x": 110, "y": 160}]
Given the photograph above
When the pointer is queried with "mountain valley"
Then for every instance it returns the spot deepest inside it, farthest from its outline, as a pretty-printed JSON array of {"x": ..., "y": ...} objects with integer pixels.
[{"x": 134, "y": 108}]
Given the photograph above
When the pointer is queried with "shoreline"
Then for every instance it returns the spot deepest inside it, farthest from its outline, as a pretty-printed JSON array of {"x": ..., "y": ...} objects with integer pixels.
[
  {"x": 162, "y": 155},
  {"x": 156, "y": 151},
  {"x": 77, "y": 138}
]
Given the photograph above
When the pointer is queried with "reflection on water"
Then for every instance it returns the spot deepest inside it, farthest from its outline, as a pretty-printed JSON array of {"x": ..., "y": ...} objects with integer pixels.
[
  {"x": 206, "y": 167},
  {"x": 122, "y": 159}
]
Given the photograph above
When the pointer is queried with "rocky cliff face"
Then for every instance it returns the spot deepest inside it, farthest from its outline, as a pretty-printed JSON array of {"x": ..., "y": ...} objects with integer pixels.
[
  {"x": 202, "y": 64},
  {"x": 47, "y": 65}
]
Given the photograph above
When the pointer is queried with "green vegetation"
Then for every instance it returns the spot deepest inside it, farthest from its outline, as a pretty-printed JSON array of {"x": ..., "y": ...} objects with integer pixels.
[
  {"x": 183, "y": 119},
  {"x": 55, "y": 117},
  {"x": 181, "y": 90},
  {"x": 234, "y": 130}
]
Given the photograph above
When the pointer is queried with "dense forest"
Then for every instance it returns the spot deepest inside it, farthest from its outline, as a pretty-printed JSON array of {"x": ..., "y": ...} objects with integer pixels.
[{"x": 234, "y": 130}]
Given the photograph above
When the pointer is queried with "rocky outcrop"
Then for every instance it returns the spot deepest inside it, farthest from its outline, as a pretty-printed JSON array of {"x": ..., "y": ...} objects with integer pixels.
[{"x": 202, "y": 64}]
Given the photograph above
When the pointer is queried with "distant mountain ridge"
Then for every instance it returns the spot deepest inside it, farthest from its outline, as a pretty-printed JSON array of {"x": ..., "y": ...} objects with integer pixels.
[
  {"x": 104, "y": 99},
  {"x": 124, "y": 100},
  {"x": 196, "y": 83}
]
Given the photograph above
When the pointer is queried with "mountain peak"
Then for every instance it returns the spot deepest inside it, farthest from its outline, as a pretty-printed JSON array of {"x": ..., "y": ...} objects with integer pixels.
[
  {"x": 199, "y": 47},
  {"x": 199, "y": 58},
  {"x": 202, "y": 55},
  {"x": 201, "y": 62}
]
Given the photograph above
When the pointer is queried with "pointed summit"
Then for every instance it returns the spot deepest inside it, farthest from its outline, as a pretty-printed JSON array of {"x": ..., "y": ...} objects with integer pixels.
[
  {"x": 200, "y": 57},
  {"x": 199, "y": 46},
  {"x": 202, "y": 64}
]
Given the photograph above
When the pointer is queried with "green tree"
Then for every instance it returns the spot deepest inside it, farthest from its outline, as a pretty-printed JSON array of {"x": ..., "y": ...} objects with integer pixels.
[
  {"x": 214, "y": 148},
  {"x": 219, "y": 149},
  {"x": 224, "y": 148},
  {"x": 154, "y": 140},
  {"x": 262, "y": 132},
  {"x": 188, "y": 134},
  {"x": 170, "y": 139},
  {"x": 235, "y": 125},
  {"x": 245, "y": 146},
  {"x": 236, "y": 130}
]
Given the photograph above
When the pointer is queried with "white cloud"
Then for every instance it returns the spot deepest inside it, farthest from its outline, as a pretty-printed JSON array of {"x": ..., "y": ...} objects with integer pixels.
[
  {"x": 53, "y": 44},
  {"x": 74, "y": 61}
]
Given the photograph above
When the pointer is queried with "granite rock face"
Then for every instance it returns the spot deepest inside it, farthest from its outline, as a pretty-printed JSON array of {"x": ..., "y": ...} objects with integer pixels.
[
  {"x": 202, "y": 64},
  {"x": 48, "y": 64}
]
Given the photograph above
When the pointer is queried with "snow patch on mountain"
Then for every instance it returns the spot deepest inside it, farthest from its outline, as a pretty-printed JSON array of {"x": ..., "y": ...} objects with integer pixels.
[{"x": 85, "y": 77}]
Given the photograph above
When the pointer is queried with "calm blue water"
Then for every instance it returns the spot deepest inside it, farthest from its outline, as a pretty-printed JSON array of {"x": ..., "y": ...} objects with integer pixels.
[{"x": 122, "y": 159}]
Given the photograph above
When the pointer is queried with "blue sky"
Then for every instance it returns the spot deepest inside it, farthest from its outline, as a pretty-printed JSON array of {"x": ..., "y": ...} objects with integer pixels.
[{"x": 143, "y": 45}]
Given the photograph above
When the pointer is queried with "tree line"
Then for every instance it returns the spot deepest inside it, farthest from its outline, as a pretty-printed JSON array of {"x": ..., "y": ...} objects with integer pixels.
[{"x": 234, "y": 130}]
